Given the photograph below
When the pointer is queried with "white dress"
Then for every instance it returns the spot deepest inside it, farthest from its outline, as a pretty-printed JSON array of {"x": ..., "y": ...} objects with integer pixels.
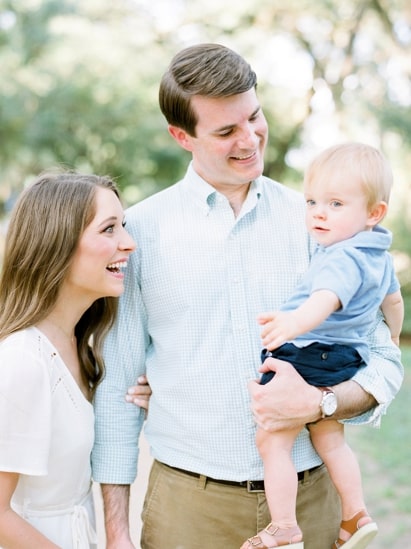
[{"x": 46, "y": 435}]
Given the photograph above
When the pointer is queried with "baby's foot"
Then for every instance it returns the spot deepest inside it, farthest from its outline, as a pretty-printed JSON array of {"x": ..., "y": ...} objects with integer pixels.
[{"x": 273, "y": 536}]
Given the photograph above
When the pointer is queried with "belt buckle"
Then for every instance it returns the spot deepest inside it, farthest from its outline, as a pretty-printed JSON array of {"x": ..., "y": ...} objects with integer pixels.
[{"x": 255, "y": 486}]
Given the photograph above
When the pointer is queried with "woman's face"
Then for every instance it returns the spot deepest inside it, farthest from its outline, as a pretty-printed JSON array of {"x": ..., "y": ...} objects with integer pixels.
[{"x": 102, "y": 251}]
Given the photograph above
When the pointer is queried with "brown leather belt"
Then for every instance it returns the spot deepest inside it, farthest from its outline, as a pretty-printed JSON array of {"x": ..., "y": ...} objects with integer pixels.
[{"x": 251, "y": 485}]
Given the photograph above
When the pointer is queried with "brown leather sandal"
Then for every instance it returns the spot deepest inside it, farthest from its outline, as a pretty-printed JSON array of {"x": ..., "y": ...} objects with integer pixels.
[
  {"x": 360, "y": 535},
  {"x": 284, "y": 537}
]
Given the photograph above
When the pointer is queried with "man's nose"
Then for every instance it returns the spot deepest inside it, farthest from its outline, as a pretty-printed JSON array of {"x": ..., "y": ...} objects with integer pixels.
[{"x": 248, "y": 138}]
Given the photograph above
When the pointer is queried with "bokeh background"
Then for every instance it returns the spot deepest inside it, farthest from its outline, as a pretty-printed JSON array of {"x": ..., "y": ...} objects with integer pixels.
[{"x": 78, "y": 88}]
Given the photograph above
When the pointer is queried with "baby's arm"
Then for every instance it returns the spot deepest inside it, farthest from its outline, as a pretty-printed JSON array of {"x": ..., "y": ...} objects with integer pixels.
[
  {"x": 393, "y": 311},
  {"x": 282, "y": 326}
]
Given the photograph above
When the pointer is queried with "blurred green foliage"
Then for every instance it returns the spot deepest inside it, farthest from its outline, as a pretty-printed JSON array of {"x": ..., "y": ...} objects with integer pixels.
[{"x": 79, "y": 84}]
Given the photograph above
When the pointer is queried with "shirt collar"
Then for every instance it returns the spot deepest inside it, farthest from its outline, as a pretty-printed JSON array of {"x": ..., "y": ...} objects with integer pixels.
[{"x": 206, "y": 195}]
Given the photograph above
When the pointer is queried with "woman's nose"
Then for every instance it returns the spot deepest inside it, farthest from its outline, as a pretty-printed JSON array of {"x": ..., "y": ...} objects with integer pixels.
[{"x": 127, "y": 243}]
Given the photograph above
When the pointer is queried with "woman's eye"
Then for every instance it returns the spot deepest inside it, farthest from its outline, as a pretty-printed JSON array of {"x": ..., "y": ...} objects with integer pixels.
[{"x": 109, "y": 229}]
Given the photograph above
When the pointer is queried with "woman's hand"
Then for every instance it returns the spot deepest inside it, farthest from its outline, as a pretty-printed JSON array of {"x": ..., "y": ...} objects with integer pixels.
[{"x": 140, "y": 394}]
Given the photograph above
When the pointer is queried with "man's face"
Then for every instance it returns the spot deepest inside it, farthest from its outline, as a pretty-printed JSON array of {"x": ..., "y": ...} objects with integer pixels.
[{"x": 231, "y": 136}]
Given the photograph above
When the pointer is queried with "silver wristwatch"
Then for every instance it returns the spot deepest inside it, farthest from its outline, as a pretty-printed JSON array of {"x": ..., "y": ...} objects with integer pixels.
[{"x": 328, "y": 404}]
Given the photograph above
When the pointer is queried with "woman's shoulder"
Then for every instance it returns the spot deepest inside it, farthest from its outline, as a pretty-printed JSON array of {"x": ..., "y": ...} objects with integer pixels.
[
  {"x": 22, "y": 339},
  {"x": 22, "y": 346},
  {"x": 23, "y": 356}
]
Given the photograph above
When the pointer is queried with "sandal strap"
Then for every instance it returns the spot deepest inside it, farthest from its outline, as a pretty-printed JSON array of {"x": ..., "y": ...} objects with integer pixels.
[
  {"x": 351, "y": 526},
  {"x": 273, "y": 530},
  {"x": 256, "y": 541}
]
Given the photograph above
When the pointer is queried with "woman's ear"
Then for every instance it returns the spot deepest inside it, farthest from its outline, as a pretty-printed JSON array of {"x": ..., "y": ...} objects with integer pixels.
[{"x": 377, "y": 213}]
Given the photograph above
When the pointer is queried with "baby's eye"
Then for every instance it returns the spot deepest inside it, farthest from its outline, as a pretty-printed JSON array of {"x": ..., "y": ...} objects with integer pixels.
[
  {"x": 336, "y": 204},
  {"x": 310, "y": 202}
]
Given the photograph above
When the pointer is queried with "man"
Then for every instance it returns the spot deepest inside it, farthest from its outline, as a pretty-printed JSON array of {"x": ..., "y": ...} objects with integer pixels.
[{"x": 214, "y": 250}]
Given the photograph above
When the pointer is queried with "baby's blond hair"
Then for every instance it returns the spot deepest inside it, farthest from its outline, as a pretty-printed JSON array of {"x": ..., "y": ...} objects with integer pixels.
[{"x": 365, "y": 163}]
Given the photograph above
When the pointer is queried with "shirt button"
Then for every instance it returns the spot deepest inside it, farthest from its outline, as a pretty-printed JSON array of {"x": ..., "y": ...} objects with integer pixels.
[{"x": 324, "y": 356}]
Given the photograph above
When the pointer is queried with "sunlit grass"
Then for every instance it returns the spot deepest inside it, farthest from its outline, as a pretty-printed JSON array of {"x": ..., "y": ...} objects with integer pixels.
[{"x": 385, "y": 459}]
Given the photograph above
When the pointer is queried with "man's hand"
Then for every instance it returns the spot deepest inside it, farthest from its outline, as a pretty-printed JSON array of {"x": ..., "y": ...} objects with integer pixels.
[
  {"x": 285, "y": 402},
  {"x": 288, "y": 402},
  {"x": 140, "y": 394}
]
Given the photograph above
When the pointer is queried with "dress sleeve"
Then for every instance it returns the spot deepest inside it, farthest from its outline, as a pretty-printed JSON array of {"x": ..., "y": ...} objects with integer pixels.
[{"x": 25, "y": 411}]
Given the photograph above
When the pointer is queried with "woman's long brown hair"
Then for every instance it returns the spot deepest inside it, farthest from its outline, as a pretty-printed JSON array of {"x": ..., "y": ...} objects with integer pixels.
[{"x": 44, "y": 230}]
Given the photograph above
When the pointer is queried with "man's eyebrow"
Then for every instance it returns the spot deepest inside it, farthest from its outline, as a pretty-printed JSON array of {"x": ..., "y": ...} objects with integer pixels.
[
  {"x": 258, "y": 108},
  {"x": 231, "y": 126}
]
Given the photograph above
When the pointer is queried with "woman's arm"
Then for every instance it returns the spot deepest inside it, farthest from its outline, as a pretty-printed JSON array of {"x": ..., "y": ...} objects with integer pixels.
[{"x": 15, "y": 532}]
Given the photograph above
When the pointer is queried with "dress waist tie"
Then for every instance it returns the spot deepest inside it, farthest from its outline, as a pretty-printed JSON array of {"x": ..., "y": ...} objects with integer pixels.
[{"x": 82, "y": 530}]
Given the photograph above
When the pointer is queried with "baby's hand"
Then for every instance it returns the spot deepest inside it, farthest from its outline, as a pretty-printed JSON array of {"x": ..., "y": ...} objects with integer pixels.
[
  {"x": 279, "y": 327},
  {"x": 263, "y": 318}
]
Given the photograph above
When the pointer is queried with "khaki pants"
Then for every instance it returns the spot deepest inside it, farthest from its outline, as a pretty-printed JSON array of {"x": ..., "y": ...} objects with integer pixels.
[{"x": 183, "y": 512}]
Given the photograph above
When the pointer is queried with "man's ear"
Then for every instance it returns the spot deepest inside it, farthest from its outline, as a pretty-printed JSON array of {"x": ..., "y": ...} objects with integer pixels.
[
  {"x": 181, "y": 136},
  {"x": 377, "y": 213}
]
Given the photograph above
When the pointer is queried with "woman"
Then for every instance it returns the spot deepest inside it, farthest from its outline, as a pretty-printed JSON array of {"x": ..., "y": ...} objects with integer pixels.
[{"x": 66, "y": 249}]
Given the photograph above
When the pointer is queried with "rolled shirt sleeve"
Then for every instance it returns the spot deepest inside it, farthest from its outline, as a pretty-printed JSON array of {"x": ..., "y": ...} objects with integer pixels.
[
  {"x": 119, "y": 423},
  {"x": 383, "y": 375}
]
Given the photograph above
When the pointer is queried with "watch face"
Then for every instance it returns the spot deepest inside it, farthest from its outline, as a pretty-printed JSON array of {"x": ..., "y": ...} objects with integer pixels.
[{"x": 329, "y": 404}]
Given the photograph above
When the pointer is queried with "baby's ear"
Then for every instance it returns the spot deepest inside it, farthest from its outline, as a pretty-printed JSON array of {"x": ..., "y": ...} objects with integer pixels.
[{"x": 377, "y": 213}]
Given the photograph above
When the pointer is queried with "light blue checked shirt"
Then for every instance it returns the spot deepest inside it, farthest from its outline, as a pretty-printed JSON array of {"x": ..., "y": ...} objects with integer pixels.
[{"x": 188, "y": 318}]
